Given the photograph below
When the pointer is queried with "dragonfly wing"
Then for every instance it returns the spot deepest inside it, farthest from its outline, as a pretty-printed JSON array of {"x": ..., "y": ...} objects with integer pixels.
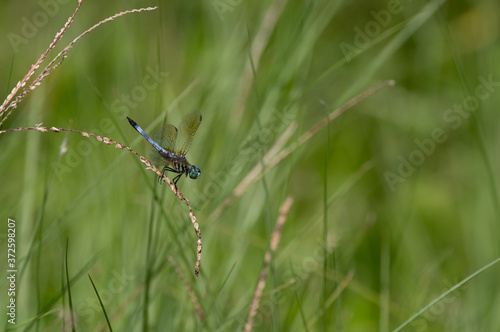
[
  {"x": 188, "y": 127},
  {"x": 156, "y": 158},
  {"x": 166, "y": 138}
]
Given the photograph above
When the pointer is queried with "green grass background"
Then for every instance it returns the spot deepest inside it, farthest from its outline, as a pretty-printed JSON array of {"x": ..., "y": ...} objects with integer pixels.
[{"x": 389, "y": 252}]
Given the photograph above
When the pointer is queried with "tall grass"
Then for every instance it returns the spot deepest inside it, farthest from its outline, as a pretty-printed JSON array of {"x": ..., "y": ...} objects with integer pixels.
[{"x": 286, "y": 113}]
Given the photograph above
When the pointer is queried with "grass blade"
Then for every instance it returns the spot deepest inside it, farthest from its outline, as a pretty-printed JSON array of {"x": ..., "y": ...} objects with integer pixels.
[
  {"x": 70, "y": 301},
  {"x": 102, "y": 305},
  {"x": 445, "y": 294}
]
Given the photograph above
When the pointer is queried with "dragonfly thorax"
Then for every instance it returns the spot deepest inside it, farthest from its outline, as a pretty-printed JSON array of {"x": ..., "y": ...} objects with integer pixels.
[{"x": 180, "y": 165}]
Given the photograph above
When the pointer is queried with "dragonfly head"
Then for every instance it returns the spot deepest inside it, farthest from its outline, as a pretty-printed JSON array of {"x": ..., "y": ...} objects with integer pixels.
[{"x": 194, "y": 172}]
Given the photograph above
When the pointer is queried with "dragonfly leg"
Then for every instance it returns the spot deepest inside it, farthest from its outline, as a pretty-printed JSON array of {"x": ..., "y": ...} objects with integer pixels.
[
  {"x": 177, "y": 178},
  {"x": 170, "y": 169},
  {"x": 163, "y": 172}
]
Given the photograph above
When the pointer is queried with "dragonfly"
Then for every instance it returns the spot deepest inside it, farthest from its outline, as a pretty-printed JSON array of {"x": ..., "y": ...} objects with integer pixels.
[{"x": 171, "y": 145}]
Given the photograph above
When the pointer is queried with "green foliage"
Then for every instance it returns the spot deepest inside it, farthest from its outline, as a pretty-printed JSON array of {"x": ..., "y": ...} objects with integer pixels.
[{"x": 410, "y": 176}]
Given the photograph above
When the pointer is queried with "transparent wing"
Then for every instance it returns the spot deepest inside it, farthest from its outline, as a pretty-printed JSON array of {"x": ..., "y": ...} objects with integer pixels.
[
  {"x": 156, "y": 158},
  {"x": 166, "y": 138},
  {"x": 188, "y": 127}
]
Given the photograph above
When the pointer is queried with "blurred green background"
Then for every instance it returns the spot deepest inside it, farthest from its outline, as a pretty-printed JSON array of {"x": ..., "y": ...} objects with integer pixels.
[{"x": 400, "y": 192}]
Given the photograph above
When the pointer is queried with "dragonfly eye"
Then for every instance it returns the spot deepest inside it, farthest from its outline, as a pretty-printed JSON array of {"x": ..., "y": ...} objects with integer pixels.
[{"x": 194, "y": 172}]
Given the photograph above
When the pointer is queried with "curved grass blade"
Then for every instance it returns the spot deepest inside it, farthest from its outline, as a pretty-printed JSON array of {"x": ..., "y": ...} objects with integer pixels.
[
  {"x": 102, "y": 305},
  {"x": 445, "y": 294},
  {"x": 70, "y": 301}
]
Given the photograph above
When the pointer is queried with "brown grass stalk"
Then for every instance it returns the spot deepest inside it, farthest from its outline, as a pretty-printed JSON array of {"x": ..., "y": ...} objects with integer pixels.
[
  {"x": 192, "y": 295},
  {"x": 146, "y": 162},
  {"x": 251, "y": 177},
  {"x": 54, "y": 63},
  {"x": 275, "y": 239},
  {"x": 332, "y": 116},
  {"x": 34, "y": 67},
  {"x": 272, "y": 158}
]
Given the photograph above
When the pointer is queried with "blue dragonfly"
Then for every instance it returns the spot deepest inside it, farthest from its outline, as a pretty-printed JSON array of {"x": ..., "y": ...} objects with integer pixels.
[{"x": 171, "y": 145}]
